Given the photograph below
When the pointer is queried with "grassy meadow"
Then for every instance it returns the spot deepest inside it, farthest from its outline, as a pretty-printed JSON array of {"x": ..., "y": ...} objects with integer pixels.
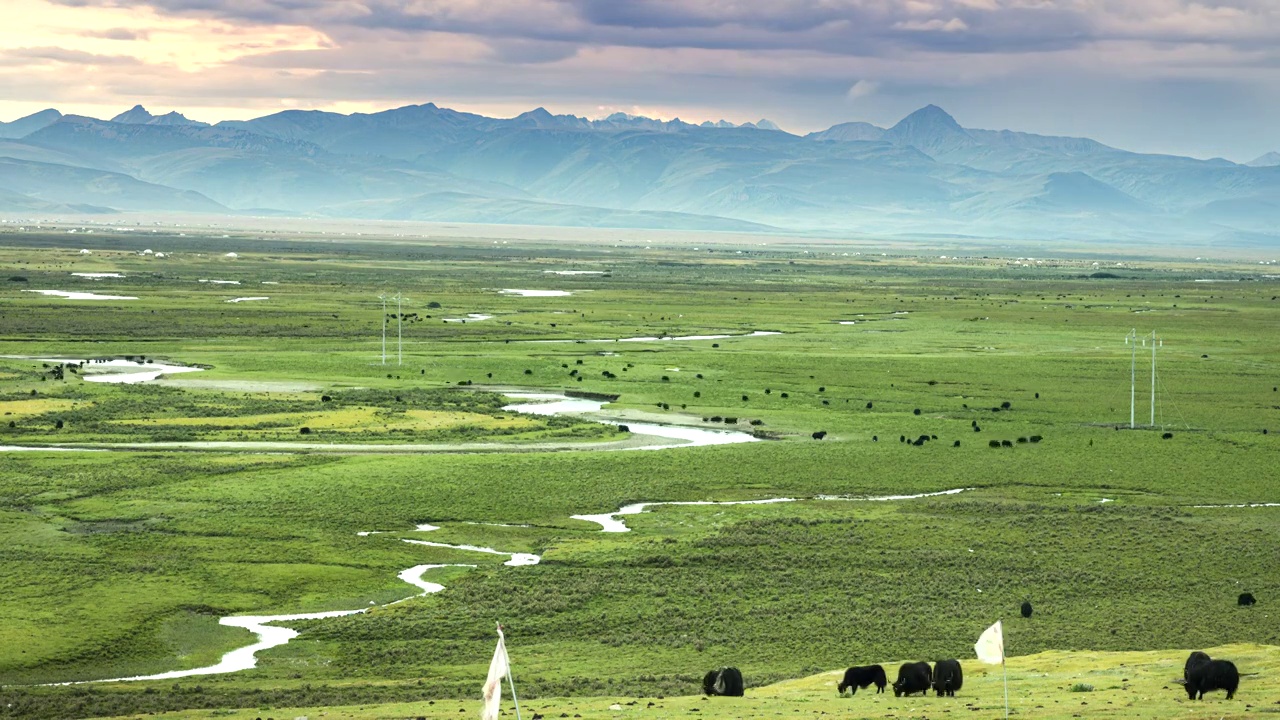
[{"x": 119, "y": 562}]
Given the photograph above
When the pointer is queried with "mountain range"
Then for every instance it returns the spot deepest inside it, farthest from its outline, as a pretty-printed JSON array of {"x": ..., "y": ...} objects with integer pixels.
[{"x": 926, "y": 176}]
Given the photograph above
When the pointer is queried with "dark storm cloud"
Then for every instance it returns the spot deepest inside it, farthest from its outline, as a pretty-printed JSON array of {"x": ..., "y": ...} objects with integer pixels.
[{"x": 838, "y": 27}]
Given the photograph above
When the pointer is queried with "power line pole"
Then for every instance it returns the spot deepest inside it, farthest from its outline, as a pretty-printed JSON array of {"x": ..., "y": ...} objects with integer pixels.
[
  {"x": 1132, "y": 341},
  {"x": 383, "y": 298},
  {"x": 1153, "y": 377},
  {"x": 399, "y": 332}
]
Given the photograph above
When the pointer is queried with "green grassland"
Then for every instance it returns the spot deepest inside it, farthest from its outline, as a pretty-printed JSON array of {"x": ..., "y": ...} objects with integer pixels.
[{"x": 119, "y": 563}]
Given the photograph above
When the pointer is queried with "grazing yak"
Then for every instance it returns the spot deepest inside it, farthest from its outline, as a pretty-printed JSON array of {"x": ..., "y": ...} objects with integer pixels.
[
  {"x": 1246, "y": 599},
  {"x": 726, "y": 681},
  {"x": 1203, "y": 674},
  {"x": 947, "y": 677},
  {"x": 913, "y": 678},
  {"x": 861, "y": 677},
  {"x": 1026, "y": 609}
]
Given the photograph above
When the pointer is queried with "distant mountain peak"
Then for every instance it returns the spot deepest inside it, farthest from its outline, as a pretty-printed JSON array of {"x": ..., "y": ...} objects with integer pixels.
[
  {"x": 930, "y": 115},
  {"x": 1271, "y": 159},
  {"x": 931, "y": 130},
  {"x": 26, "y": 125},
  {"x": 137, "y": 115},
  {"x": 47, "y": 114},
  {"x": 175, "y": 118},
  {"x": 542, "y": 118},
  {"x": 849, "y": 132},
  {"x": 766, "y": 124}
]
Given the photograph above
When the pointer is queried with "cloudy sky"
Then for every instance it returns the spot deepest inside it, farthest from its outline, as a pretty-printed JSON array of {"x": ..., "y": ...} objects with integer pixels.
[{"x": 1199, "y": 78}]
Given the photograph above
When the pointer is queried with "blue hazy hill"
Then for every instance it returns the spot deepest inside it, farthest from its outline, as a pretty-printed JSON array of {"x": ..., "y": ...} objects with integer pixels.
[{"x": 927, "y": 174}]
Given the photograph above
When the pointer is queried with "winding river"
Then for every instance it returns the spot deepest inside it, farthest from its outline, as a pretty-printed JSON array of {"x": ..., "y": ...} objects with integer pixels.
[
  {"x": 270, "y": 634},
  {"x": 610, "y": 522}
]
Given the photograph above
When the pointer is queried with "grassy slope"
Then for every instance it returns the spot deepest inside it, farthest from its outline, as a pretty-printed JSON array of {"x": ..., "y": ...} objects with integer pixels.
[{"x": 1042, "y": 686}]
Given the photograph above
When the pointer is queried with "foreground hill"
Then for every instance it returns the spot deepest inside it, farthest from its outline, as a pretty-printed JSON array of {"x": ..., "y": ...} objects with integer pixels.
[
  {"x": 925, "y": 175},
  {"x": 1055, "y": 685}
]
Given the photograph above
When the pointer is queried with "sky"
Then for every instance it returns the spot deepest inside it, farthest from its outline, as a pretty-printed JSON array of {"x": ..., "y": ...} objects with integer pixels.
[{"x": 1191, "y": 78}]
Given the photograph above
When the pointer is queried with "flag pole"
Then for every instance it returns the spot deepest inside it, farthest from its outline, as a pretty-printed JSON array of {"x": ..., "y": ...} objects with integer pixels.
[
  {"x": 1005, "y": 668},
  {"x": 512, "y": 681}
]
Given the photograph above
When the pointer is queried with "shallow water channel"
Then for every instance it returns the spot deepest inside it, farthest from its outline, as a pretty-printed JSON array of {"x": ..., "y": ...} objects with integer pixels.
[{"x": 557, "y": 404}]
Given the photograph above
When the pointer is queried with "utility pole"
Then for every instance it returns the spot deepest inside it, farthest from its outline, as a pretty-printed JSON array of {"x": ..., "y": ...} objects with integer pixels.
[
  {"x": 383, "y": 298},
  {"x": 1132, "y": 341},
  {"x": 400, "y": 334},
  {"x": 1153, "y": 377}
]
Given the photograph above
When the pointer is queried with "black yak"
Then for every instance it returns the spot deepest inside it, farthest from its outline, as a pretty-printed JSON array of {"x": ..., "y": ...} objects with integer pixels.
[
  {"x": 1246, "y": 599},
  {"x": 947, "y": 677},
  {"x": 861, "y": 677},
  {"x": 1026, "y": 609},
  {"x": 913, "y": 678},
  {"x": 1202, "y": 675},
  {"x": 726, "y": 681},
  {"x": 819, "y": 435}
]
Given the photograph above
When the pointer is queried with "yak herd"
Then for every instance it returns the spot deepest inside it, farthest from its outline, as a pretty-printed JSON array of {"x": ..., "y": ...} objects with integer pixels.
[
  {"x": 1201, "y": 674},
  {"x": 944, "y": 677}
]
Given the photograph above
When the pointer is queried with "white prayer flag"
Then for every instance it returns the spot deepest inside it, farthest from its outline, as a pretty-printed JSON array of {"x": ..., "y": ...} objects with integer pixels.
[
  {"x": 493, "y": 684},
  {"x": 990, "y": 646}
]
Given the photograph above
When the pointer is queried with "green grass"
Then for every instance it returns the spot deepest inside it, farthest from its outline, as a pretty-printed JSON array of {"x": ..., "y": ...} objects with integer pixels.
[
  {"x": 1127, "y": 686},
  {"x": 119, "y": 563}
]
